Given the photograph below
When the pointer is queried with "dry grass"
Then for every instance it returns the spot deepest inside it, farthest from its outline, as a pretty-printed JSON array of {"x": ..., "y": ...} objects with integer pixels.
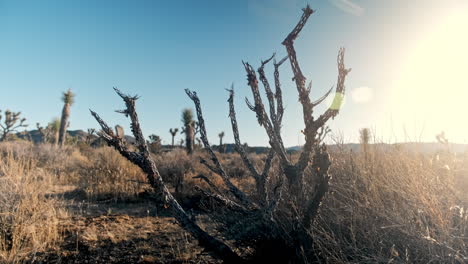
[
  {"x": 108, "y": 176},
  {"x": 29, "y": 220},
  {"x": 391, "y": 205}
]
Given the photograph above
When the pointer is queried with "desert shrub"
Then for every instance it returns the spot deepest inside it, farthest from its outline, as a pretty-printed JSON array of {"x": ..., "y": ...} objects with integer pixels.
[
  {"x": 234, "y": 166},
  {"x": 29, "y": 220},
  {"x": 395, "y": 208},
  {"x": 174, "y": 166},
  {"x": 110, "y": 176}
]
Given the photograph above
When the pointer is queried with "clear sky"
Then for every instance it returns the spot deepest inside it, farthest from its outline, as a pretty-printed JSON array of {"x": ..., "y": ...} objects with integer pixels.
[{"x": 409, "y": 62}]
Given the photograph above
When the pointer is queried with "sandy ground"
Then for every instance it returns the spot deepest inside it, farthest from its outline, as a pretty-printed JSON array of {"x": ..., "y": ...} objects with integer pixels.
[{"x": 121, "y": 232}]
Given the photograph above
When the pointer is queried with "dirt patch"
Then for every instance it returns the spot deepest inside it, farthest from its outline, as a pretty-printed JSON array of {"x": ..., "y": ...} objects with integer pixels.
[{"x": 135, "y": 232}]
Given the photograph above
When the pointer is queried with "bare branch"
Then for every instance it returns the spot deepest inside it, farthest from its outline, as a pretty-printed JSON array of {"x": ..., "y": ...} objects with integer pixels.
[
  {"x": 144, "y": 161},
  {"x": 321, "y": 164},
  {"x": 205, "y": 179},
  {"x": 289, "y": 41},
  {"x": 334, "y": 109},
  {"x": 235, "y": 130},
  {"x": 250, "y": 105},
  {"x": 105, "y": 128},
  {"x": 269, "y": 159},
  {"x": 276, "y": 195},
  {"x": 219, "y": 168},
  {"x": 321, "y": 99},
  {"x": 269, "y": 93},
  {"x": 312, "y": 126},
  {"x": 223, "y": 200},
  {"x": 278, "y": 94},
  {"x": 211, "y": 168},
  {"x": 262, "y": 117},
  {"x": 259, "y": 179},
  {"x": 135, "y": 124}
]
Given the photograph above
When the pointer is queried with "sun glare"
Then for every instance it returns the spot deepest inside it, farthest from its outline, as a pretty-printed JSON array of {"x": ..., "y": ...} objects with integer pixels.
[
  {"x": 361, "y": 94},
  {"x": 433, "y": 85}
]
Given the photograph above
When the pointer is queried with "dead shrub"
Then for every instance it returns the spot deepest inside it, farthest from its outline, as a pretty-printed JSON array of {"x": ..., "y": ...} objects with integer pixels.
[
  {"x": 29, "y": 220},
  {"x": 109, "y": 176}
]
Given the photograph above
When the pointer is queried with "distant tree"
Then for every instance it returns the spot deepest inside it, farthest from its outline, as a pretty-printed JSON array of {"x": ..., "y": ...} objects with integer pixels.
[
  {"x": 119, "y": 131},
  {"x": 90, "y": 135},
  {"x": 221, "y": 135},
  {"x": 199, "y": 143},
  {"x": 45, "y": 133},
  {"x": 68, "y": 99},
  {"x": 364, "y": 138},
  {"x": 188, "y": 129},
  {"x": 173, "y": 134},
  {"x": 49, "y": 134},
  {"x": 11, "y": 123},
  {"x": 55, "y": 128},
  {"x": 442, "y": 139},
  {"x": 154, "y": 143}
]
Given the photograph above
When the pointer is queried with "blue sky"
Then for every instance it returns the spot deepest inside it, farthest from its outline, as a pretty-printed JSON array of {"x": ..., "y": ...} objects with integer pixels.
[{"x": 156, "y": 49}]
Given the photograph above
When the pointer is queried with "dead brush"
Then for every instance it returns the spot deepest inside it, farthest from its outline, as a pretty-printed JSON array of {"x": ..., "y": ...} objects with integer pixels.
[
  {"x": 174, "y": 167},
  {"x": 110, "y": 177},
  {"x": 399, "y": 210},
  {"x": 278, "y": 235},
  {"x": 29, "y": 220}
]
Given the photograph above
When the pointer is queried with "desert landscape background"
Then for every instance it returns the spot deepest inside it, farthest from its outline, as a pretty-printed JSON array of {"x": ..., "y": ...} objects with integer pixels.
[{"x": 116, "y": 194}]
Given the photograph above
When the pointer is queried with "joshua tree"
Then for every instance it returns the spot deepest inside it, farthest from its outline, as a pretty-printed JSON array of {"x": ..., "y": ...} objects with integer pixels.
[
  {"x": 90, "y": 135},
  {"x": 154, "y": 143},
  {"x": 119, "y": 131},
  {"x": 173, "y": 134},
  {"x": 199, "y": 142},
  {"x": 274, "y": 222},
  {"x": 55, "y": 128},
  {"x": 50, "y": 132},
  {"x": 364, "y": 138},
  {"x": 45, "y": 132},
  {"x": 11, "y": 123},
  {"x": 68, "y": 100},
  {"x": 188, "y": 129},
  {"x": 442, "y": 139},
  {"x": 221, "y": 135}
]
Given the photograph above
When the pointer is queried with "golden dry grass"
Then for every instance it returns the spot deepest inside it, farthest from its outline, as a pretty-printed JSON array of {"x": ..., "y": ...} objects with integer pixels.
[
  {"x": 29, "y": 219},
  {"x": 391, "y": 205}
]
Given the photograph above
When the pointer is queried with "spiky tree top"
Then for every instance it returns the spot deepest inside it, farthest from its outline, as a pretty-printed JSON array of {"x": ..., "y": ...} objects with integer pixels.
[
  {"x": 55, "y": 124},
  {"x": 11, "y": 123},
  {"x": 68, "y": 97},
  {"x": 173, "y": 131},
  {"x": 187, "y": 117},
  {"x": 154, "y": 139},
  {"x": 364, "y": 135}
]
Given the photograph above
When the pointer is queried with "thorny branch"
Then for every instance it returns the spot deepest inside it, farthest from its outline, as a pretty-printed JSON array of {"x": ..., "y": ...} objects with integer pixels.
[
  {"x": 218, "y": 167},
  {"x": 142, "y": 159},
  {"x": 260, "y": 179},
  {"x": 314, "y": 131},
  {"x": 262, "y": 116}
]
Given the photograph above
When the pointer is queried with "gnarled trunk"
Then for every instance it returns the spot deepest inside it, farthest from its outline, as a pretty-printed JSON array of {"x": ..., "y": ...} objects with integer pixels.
[
  {"x": 64, "y": 124},
  {"x": 189, "y": 138}
]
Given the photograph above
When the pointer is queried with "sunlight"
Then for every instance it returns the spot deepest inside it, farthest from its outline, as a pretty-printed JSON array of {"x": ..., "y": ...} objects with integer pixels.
[
  {"x": 361, "y": 94},
  {"x": 433, "y": 85}
]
